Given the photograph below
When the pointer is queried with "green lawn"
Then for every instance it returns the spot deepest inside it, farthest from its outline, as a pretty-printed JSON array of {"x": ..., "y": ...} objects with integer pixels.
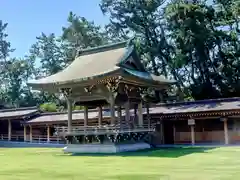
[{"x": 168, "y": 164}]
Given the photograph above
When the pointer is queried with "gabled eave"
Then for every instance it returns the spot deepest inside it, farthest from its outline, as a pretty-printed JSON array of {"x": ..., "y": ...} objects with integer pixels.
[{"x": 147, "y": 79}]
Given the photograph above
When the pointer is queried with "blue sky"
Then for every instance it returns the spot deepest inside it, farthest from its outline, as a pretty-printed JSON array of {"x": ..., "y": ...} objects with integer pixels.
[{"x": 28, "y": 18}]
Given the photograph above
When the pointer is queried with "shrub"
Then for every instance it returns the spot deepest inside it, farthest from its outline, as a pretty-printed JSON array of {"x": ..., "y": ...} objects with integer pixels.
[{"x": 48, "y": 107}]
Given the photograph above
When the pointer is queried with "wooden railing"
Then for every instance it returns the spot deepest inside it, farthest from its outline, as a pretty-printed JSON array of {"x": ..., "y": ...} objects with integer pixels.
[
  {"x": 34, "y": 139},
  {"x": 107, "y": 129}
]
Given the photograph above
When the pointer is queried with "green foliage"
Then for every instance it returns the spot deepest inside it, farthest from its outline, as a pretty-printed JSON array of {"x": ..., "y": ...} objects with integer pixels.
[
  {"x": 208, "y": 53},
  {"x": 194, "y": 42},
  {"x": 48, "y": 107},
  {"x": 81, "y": 34},
  {"x": 47, "y": 50},
  {"x": 5, "y": 46},
  {"x": 77, "y": 108}
]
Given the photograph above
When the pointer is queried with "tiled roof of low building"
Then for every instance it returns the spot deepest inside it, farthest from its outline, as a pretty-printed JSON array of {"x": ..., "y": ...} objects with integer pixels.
[
  {"x": 179, "y": 108},
  {"x": 212, "y": 105},
  {"x": 17, "y": 112},
  {"x": 76, "y": 115}
]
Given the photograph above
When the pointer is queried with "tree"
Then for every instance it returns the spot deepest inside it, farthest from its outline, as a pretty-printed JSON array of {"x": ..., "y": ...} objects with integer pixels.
[
  {"x": 14, "y": 76},
  {"x": 5, "y": 50},
  {"x": 145, "y": 18},
  {"x": 203, "y": 49},
  {"x": 50, "y": 58},
  {"x": 5, "y": 46},
  {"x": 47, "y": 51},
  {"x": 195, "y": 43},
  {"x": 54, "y": 54},
  {"x": 81, "y": 34}
]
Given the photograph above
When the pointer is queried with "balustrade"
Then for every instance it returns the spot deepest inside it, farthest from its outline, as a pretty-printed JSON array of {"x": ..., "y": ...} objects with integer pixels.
[
  {"x": 107, "y": 129},
  {"x": 35, "y": 138}
]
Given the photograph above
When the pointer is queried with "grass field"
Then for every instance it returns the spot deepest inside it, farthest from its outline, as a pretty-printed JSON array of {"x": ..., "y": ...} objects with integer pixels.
[{"x": 169, "y": 164}]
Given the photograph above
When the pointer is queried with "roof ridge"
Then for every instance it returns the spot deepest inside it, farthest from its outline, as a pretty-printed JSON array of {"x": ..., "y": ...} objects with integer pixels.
[{"x": 102, "y": 48}]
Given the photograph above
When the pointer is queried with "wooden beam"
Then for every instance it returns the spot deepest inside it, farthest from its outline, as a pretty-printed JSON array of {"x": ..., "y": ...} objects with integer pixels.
[
  {"x": 25, "y": 132},
  {"x": 191, "y": 123},
  {"x": 119, "y": 111},
  {"x": 9, "y": 130},
  {"x": 48, "y": 133},
  {"x": 226, "y": 136},
  {"x": 100, "y": 117},
  {"x": 192, "y": 135},
  {"x": 85, "y": 115},
  {"x": 69, "y": 107},
  {"x": 127, "y": 112},
  {"x": 140, "y": 114},
  {"x": 30, "y": 133}
]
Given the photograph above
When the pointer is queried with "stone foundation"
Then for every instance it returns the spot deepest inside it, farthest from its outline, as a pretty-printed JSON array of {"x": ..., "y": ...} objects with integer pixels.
[{"x": 105, "y": 148}]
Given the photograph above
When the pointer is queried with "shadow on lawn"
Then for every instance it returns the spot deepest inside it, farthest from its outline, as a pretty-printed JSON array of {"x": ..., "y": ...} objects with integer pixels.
[
  {"x": 163, "y": 152},
  {"x": 140, "y": 177}
]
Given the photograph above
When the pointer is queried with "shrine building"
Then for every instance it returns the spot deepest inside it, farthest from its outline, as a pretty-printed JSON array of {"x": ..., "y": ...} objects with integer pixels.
[
  {"x": 113, "y": 76},
  {"x": 112, "y": 85}
]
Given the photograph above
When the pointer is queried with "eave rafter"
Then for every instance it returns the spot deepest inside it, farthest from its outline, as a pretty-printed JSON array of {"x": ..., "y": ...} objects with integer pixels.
[{"x": 201, "y": 114}]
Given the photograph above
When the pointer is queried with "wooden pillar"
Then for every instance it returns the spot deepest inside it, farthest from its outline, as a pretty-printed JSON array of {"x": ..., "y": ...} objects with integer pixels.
[
  {"x": 174, "y": 133},
  {"x": 85, "y": 115},
  {"x": 30, "y": 133},
  {"x": 69, "y": 107},
  {"x": 162, "y": 132},
  {"x": 226, "y": 137},
  {"x": 119, "y": 112},
  {"x": 100, "y": 115},
  {"x": 48, "y": 133},
  {"x": 112, "y": 110},
  {"x": 191, "y": 123},
  {"x": 192, "y": 135},
  {"x": 127, "y": 113},
  {"x": 140, "y": 114},
  {"x": 25, "y": 132},
  {"x": 9, "y": 130},
  {"x": 135, "y": 107},
  {"x": 148, "y": 116}
]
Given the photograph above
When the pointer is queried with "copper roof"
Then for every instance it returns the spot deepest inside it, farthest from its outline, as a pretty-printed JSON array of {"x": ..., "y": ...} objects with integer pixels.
[
  {"x": 84, "y": 67},
  {"x": 17, "y": 112},
  {"x": 96, "y": 63}
]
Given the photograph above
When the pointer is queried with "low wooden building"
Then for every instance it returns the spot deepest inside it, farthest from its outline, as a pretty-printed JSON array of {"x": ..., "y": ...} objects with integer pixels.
[
  {"x": 206, "y": 121},
  {"x": 12, "y": 120},
  {"x": 196, "y": 122}
]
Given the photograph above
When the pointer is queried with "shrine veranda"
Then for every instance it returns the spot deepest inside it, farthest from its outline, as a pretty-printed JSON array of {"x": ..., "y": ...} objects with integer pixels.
[{"x": 111, "y": 76}]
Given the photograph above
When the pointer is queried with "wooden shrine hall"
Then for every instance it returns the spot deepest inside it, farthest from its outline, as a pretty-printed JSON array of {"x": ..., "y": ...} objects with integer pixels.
[{"x": 111, "y": 75}]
